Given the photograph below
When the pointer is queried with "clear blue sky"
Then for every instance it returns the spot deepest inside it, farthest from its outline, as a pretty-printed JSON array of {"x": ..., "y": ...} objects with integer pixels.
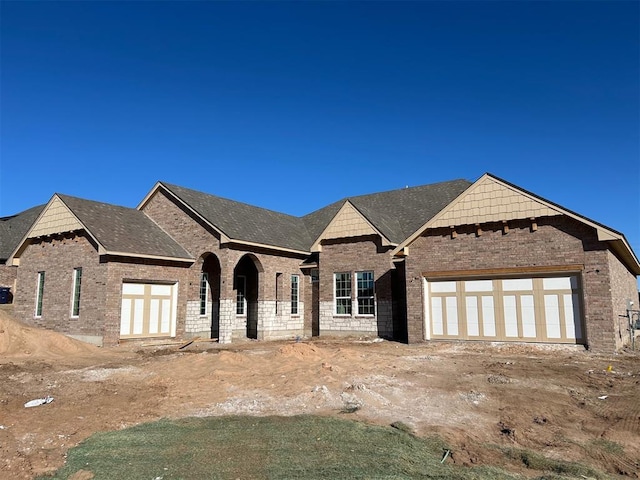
[{"x": 291, "y": 106}]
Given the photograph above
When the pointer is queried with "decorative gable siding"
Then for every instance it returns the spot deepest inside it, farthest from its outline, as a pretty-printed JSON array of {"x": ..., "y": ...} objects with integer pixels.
[
  {"x": 491, "y": 201},
  {"x": 348, "y": 223},
  {"x": 57, "y": 218}
]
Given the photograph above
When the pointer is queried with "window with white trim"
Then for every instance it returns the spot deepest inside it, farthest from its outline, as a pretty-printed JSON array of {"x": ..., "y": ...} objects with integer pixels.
[
  {"x": 365, "y": 297},
  {"x": 342, "y": 293},
  {"x": 39, "y": 294},
  {"x": 295, "y": 293},
  {"x": 241, "y": 295},
  {"x": 75, "y": 300},
  {"x": 204, "y": 292}
]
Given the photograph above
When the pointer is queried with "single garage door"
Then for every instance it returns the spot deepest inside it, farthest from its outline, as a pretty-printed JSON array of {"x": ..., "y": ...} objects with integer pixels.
[
  {"x": 148, "y": 310},
  {"x": 528, "y": 309}
]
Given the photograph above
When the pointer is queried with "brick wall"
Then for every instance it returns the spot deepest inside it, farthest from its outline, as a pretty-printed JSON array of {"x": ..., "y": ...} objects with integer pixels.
[
  {"x": 624, "y": 287},
  {"x": 557, "y": 241},
  {"x": 57, "y": 256},
  {"x": 121, "y": 270},
  {"x": 8, "y": 275},
  {"x": 356, "y": 255}
]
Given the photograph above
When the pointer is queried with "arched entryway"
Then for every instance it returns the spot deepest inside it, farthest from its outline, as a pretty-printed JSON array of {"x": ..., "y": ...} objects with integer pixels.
[
  {"x": 210, "y": 292},
  {"x": 246, "y": 286}
]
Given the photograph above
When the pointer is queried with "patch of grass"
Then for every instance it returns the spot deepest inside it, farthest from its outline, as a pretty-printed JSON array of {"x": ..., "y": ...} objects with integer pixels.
[
  {"x": 604, "y": 445},
  {"x": 559, "y": 468},
  {"x": 302, "y": 447}
]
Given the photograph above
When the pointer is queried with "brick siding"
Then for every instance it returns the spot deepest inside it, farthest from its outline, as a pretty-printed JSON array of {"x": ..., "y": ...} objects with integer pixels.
[
  {"x": 57, "y": 256},
  {"x": 557, "y": 241},
  {"x": 356, "y": 255}
]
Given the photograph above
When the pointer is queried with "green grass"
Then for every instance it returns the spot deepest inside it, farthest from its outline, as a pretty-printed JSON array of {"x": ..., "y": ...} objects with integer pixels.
[
  {"x": 558, "y": 468},
  {"x": 301, "y": 447}
]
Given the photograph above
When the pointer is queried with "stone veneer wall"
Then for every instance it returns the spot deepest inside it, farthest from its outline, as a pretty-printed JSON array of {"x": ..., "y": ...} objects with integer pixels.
[
  {"x": 557, "y": 241},
  {"x": 356, "y": 255}
]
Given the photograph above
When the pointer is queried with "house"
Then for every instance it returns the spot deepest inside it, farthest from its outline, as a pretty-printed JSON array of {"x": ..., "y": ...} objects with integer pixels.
[{"x": 481, "y": 261}]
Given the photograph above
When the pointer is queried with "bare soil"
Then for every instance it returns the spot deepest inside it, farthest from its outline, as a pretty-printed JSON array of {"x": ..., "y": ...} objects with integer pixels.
[{"x": 565, "y": 403}]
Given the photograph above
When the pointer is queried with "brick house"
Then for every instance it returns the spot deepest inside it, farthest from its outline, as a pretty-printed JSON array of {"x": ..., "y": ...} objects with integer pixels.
[{"x": 455, "y": 260}]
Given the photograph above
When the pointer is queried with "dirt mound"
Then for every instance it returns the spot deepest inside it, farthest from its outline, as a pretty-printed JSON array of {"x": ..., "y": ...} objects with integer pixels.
[
  {"x": 300, "y": 351},
  {"x": 19, "y": 340}
]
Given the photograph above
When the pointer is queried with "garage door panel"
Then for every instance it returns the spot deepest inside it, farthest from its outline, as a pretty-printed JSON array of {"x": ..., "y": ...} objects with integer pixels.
[
  {"x": 473, "y": 319},
  {"x": 437, "y": 315},
  {"x": 528, "y": 316},
  {"x": 488, "y": 317},
  {"x": 125, "y": 317},
  {"x": 552, "y": 316},
  {"x": 534, "y": 309},
  {"x": 510, "y": 316},
  {"x": 452, "y": 316}
]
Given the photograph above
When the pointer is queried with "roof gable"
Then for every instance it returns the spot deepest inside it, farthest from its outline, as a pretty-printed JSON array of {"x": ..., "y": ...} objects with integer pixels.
[
  {"x": 348, "y": 222},
  {"x": 240, "y": 222},
  {"x": 490, "y": 200},
  {"x": 56, "y": 218},
  {"x": 115, "y": 230}
]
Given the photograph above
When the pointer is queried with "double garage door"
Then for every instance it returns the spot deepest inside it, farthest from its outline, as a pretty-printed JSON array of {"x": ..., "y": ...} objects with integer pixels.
[
  {"x": 527, "y": 309},
  {"x": 148, "y": 310}
]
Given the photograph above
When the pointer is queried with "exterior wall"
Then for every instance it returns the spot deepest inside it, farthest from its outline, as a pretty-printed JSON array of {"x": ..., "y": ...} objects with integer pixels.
[
  {"x": 8, "y": 275},
  {"x": 623, "y": 288},
  {"x": 199, "y": 239},
  {"x": 57, "y": 256},
  {"x": 558, "y": 241},
  {"x": 120, "y": 270},
  {"x": 356, "y": 255}
]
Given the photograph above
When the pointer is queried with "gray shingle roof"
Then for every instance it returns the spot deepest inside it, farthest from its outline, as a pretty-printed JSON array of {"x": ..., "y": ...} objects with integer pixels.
[
  {"x": 243, "y": 222},
  {"x": 122, "y": 229},
  {"x": 14, "y": 228},
  {"x": 395, "y": 213}
]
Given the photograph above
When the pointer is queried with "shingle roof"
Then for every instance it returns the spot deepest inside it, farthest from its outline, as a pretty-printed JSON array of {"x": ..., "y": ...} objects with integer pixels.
[
  {"x": 395, "y": 213},
  {"x": 243, "y": 222},
  {"x": 124, "y": 230},
  {"x": 14, "y": 228}
]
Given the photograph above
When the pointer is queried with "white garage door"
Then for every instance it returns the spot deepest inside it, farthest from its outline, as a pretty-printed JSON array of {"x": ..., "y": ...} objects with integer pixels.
[
  {"x": 148, "y": 310},
  {"x": 530, "y": 309}
]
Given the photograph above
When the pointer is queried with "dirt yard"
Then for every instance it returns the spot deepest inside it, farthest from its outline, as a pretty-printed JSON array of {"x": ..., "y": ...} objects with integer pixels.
[{"x": 565, "y": 403}]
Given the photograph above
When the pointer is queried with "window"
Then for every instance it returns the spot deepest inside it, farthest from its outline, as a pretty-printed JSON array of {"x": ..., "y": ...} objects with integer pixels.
[
  {"x": 278, "y": 290},
  {"x": 365, "y": 293},
  {"x": 204, "y": 292},
  {"x": 241, "y": 295},
  {"x": 39, "y": 294},
  {"x": 295, "y": 293},
  {"x": 75, "y": 301},
  {"x": 343, "y": 293}
]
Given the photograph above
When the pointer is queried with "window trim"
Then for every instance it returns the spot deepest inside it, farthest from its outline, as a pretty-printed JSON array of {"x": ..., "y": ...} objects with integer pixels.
[
  {"x": 295, "y": 294},
  {"x": 344, "y": 297},
  {"x": 76, "y": 292},
  {"x": 371, "y": 297},
  {"x": 241, "y": 295},
  {"x": 39, "y": 294},
  {"x": 204, "y": 299}
]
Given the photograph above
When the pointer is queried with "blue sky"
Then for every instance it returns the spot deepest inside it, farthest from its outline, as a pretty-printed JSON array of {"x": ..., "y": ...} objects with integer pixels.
[{"x": 291, "y": 106}]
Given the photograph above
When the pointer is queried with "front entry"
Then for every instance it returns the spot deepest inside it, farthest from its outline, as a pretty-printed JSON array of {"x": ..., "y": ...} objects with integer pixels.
[{"x": 246, "y": 288}]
